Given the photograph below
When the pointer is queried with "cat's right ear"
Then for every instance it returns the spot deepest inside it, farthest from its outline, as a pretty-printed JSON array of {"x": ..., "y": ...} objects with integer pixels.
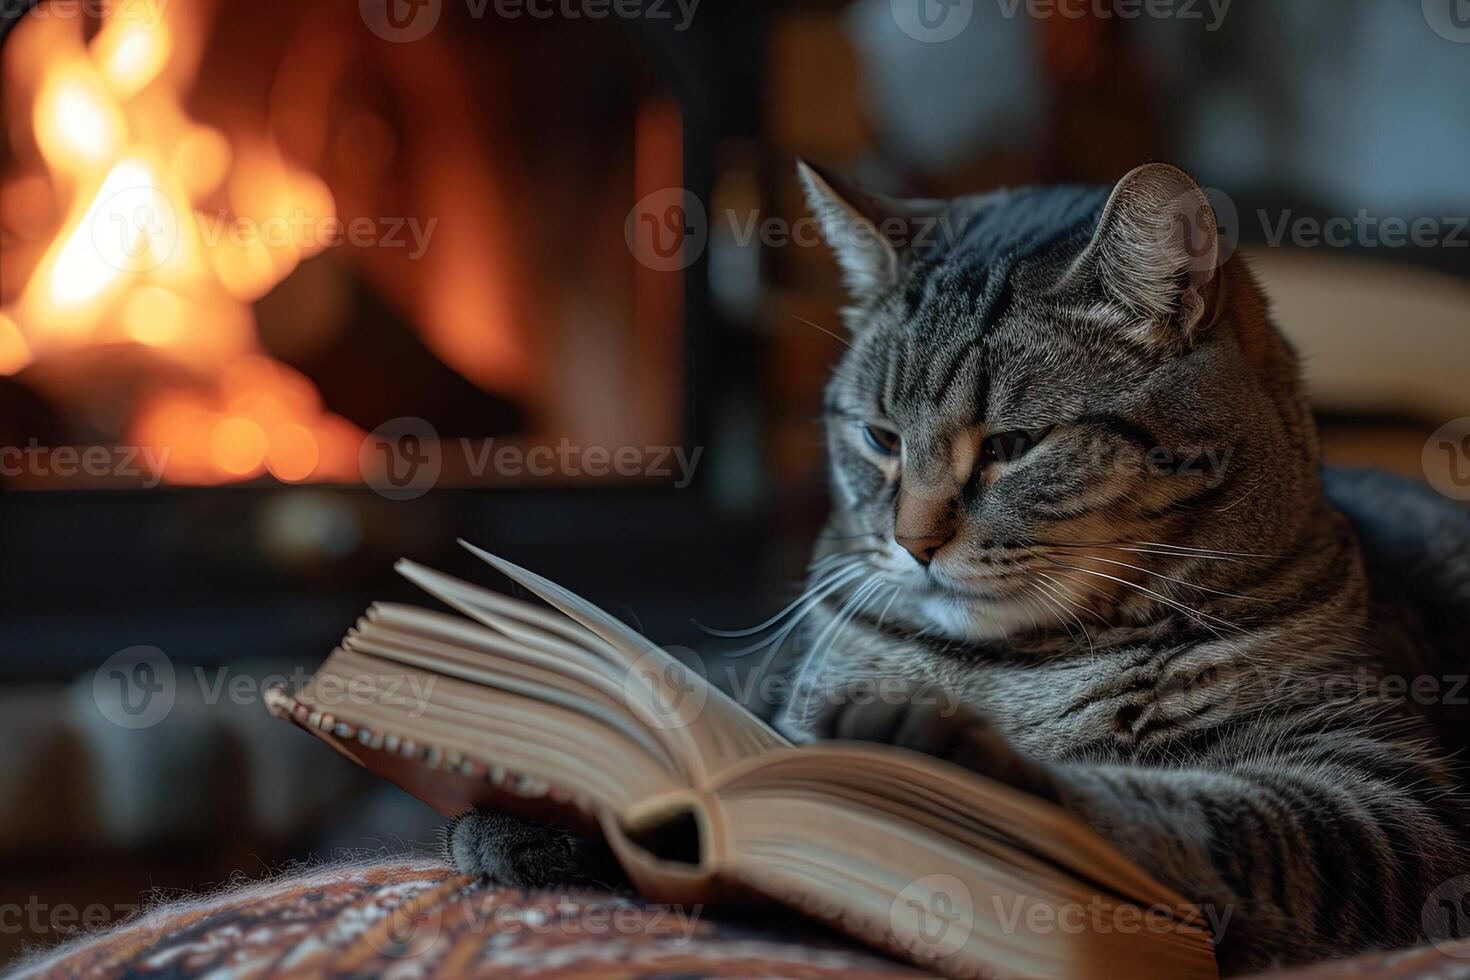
[
  {"x": 869, "y": 233},
  {"x": 1156, "y": 255}
]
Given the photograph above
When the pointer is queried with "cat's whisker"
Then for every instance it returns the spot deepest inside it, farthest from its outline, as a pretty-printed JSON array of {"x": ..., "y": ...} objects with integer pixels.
[
  {"x": 1166, "y": 546},
  {"x": 1162, "y": 550},
  {"x": 1046, "y": 594},
  {"x": 1106, "y": 596},
  {"x": 808, "y": 598},
  {"x": 1085, "y": 608},
  {"x": 1207, "y": 551},
  {"x": 1025, "y": 598},
  {"x": 849, "y": 537},
  {"x": 1143, "y": 551},
  {"x": 1192, "y": 556},
  {"x": 837, "y": 556},
  {"x": 776, "y": 642},
  {"x": 844, "y": 612},
  {"x": 817, "y": 326},
  {"x": 821, "y": 648},
  {"x": 1170, "y": 578},
  {"x": 1260, "y": 482},
  {"x": 1047, "y": 604},
  {"x": 751, "y": 631},
  {"x": 897, "y": 589},
  {"x": 1195, "y": 614}
]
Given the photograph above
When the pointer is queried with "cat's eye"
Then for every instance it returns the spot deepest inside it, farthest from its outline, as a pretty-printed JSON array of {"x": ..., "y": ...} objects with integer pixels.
[
  {"x": 1004, "y": 447},
  {"x": 884, "y": 442}
]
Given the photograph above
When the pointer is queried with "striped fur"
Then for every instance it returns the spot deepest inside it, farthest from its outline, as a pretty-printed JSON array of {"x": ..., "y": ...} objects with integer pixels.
[{"x": 1156, "y": 607}]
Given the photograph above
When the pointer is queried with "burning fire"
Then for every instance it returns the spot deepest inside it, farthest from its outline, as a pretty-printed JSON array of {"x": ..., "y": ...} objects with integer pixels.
[{"x": 123, "y": 174}]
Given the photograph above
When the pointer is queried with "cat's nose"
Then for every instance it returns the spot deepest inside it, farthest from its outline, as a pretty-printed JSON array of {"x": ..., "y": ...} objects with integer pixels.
[{"x": 923, "y": 548}]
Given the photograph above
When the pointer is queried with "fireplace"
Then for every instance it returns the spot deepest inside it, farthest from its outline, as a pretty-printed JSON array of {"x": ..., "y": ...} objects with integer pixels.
[
  {"x": 241, "y": 236},
  {"x": 288, "y": 290}
]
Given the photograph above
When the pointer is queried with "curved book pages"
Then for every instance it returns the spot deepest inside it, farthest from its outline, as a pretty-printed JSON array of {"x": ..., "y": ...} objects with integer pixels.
[{"x": 569, "y": 716}]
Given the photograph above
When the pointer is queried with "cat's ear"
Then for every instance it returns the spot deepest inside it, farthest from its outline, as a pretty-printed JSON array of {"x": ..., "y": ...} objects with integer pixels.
[
  {"x": 870, "y": 233},
  {"x": 1157, "y": 253}
]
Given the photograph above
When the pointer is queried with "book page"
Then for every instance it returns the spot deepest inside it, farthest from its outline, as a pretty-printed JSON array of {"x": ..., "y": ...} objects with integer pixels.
[
  {"x": 516, "y": 736},
  {"x": 568, "y": 696},
  {"x": 666, "y": 695},
  {"x": 950, "y": 869}
]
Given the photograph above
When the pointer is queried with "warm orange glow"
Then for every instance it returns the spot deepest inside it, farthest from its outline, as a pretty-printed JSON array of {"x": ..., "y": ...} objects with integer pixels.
[
  {"x": 278, "y": 216},
  {"x": 264, "y": 416},
  {"x": 127, "y": 228},
  {"x": 14, "y": 352},
  {"x": 245, "y": 270},
  {"x": 27, "y": 206},
  {"x": 131, "y": 53},
  {"x": 145, "y": 254},
  {"x": 202, "y": 160},
  {"x": 178, "y": 423},
  {"x": 239, "y": 446},
  {"x": 78, "y": 125},
  {"x": 293, "y": 453},
  {"x": 156, "y": 317}
]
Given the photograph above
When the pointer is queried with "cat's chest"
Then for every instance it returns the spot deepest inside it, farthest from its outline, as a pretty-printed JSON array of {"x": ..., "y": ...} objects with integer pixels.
[{"x": 1120, "y": 703}]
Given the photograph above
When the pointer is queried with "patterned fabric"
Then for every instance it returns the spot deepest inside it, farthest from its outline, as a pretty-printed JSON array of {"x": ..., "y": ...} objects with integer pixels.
[
  {"x": 419, "y": 920},
  {"x": 413, "y": 920},
  {"x": 1448, "y": 960}
]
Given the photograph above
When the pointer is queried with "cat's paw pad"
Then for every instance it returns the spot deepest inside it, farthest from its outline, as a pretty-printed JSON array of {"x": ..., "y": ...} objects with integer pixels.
[{"x": 507, "y": 851}]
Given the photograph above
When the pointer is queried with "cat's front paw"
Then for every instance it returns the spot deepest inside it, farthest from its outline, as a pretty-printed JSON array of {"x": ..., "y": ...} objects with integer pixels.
[
  {"x": 508, "y": 851},
  {"x": 926, "y": 720}
]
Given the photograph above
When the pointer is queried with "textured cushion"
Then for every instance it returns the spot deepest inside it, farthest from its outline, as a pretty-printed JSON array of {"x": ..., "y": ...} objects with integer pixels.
[
  {"x": 407, "y": 919},
  {"x": 421, "y": 920}
]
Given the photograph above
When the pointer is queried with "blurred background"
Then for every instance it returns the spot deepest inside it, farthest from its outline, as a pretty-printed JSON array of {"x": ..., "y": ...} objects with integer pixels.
[{"x": 292, "y": 288}]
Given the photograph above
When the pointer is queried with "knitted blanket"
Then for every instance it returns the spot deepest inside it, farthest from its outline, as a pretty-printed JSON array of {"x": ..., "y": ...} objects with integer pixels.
[
  {"x": 419, "y": 919},
  {"x": 408, "y": 919}
]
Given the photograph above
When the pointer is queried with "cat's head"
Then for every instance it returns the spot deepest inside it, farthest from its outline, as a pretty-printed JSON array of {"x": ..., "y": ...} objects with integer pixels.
[{"x": 1053, "y": 400}]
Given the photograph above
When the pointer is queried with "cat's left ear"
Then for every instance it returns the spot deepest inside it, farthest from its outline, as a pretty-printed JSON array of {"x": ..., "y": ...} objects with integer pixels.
[
  {"x": 871, "y": 234},
  {"x": 1157, "y": 253}
]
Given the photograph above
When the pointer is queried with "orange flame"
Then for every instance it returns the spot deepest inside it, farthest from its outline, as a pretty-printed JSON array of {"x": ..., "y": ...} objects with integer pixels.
[{"x": 136, "y": 260}]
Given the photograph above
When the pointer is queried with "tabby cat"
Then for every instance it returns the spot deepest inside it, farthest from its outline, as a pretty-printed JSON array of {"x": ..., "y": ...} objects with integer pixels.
[{"x": 1078, "y": 512}]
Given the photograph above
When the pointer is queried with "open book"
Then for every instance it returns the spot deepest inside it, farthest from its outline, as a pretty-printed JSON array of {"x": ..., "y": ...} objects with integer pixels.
[{"x": 571, "y": 717}]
